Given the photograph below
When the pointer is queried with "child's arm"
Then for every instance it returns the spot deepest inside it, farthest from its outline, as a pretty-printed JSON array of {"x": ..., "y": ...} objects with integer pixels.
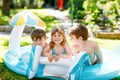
[
  {"x": 75, "y": 49},
  {"x": 68, "y": 51},
  {"x": 46, "y": 51}
]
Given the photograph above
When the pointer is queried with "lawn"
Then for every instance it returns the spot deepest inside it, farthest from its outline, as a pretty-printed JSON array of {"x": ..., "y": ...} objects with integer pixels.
[
  {"x": 107, "y": 43},
  {"x": 26, "y": 40},
  {"x": 41, "y": 13}
]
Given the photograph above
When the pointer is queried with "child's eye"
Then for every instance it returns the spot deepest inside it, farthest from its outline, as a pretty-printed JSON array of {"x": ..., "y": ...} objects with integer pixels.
[
  {"x": 59, "y": 35},
  {"x": 54, "y": 35}
]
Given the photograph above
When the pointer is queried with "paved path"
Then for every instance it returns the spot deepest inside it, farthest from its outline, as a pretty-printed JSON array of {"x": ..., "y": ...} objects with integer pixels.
[
  {"x": 63, "y": 18},
  {"x": 4, "y": 34}
]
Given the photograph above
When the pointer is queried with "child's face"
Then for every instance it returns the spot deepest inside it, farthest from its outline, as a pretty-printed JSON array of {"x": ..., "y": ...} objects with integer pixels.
[
  {"x": 74, "y": 39},
  {"x": 41, "y": 41},
  {"x": 57, "y": 38}
]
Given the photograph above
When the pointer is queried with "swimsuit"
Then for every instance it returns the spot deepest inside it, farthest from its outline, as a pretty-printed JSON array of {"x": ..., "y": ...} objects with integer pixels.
[{"x": 54, "y": 53}]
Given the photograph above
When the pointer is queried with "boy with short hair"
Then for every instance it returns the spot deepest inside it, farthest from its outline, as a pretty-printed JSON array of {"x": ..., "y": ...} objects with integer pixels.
[
  {"x": 38, "y": 37},
  {"x": 79, "y": 37}
]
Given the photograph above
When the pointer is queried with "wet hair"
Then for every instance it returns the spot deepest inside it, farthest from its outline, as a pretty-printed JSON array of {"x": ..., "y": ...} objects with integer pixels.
[
  {"x": 60, "y": 30},
  {"x": 80, "y": 30},
  {"x": 38, "y": 34}
]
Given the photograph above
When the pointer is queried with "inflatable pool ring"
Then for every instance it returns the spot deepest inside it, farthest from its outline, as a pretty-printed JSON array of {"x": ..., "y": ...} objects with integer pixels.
[
  {"x": 30, "y": 64},
  {"x": 117, "y": 49},
  {"x": 81, "y": 69},
  {"x": 27, "y": 61}
]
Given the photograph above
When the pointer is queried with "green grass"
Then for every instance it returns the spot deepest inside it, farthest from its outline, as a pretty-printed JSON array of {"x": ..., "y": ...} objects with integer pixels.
[
  {"x": 41, "y": 13},
  {"x": 3, "y": 45},
  {"x": 6, "y": 74},
  {"x": 107, "y": 43}
]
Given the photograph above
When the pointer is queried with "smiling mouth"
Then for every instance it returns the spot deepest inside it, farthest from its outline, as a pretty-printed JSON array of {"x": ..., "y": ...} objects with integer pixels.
[{"x": 57, "y": 40}]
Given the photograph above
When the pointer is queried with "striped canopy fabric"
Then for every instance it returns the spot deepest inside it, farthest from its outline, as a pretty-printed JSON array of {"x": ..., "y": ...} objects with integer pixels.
[{"x": 26, "y": 17}]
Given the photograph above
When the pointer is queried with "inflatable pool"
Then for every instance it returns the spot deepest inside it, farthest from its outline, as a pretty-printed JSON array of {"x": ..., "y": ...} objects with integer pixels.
[
  {"x": 27, "y": 61},
  {"x": 75, "y": 69}
]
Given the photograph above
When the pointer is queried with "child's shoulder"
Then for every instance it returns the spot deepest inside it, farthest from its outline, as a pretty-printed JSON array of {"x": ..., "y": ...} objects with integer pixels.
[
  {"x": 47, "y": 44},
  {"x": 47, "y": 47},
  {"x": 74, "y": 46},
  {"x": 93, "y": 44}
]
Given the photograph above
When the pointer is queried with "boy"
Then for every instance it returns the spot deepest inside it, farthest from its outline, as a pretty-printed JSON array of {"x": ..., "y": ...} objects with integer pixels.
[
  {"x": 38, "y": 37},
  {"x": 79, "y": 37}
]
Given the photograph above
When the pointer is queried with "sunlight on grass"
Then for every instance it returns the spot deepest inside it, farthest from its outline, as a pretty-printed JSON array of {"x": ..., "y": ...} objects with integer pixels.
[
  {"x": 46, "y": 17},
  {"x": 3, "y": 47},
  {"x": 107, "y": 43},
  {"x": 4, "y": 42},
  {"x": 25, "y": 40},
  {"x": 41, "y": 13}
]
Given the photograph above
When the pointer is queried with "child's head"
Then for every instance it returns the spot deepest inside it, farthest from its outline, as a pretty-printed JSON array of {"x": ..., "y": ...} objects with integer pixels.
[
  {"x": 79, "y": 31},
  {"x": 57, "y": 36},
  {"x": 38, "y": 36}
]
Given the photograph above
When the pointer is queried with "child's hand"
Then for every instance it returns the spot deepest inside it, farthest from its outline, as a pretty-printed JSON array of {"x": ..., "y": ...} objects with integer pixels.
[
  {"x": 57, "y": 57},
  {"x": 50, "y": 58}
]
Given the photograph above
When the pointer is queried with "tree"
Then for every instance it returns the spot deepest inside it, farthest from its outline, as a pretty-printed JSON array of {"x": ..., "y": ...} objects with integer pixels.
[
  {"x": 6, "y": 7},
  {"x": 76, "y": 9}
]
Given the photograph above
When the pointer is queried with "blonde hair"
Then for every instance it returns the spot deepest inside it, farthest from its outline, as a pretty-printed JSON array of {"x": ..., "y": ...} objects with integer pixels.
[{"x": 60, "y": 30}]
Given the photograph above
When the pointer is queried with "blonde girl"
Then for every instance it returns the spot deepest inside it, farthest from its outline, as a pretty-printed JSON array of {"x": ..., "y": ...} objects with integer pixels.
[{"x": 58, "y": 46}]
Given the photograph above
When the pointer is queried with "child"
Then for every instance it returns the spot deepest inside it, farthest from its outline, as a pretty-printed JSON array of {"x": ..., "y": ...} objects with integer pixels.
[
  {"x": 58, "y": 46},
  {"x": 79, "y": 37},
  {"x": 38, "y": 37}
]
